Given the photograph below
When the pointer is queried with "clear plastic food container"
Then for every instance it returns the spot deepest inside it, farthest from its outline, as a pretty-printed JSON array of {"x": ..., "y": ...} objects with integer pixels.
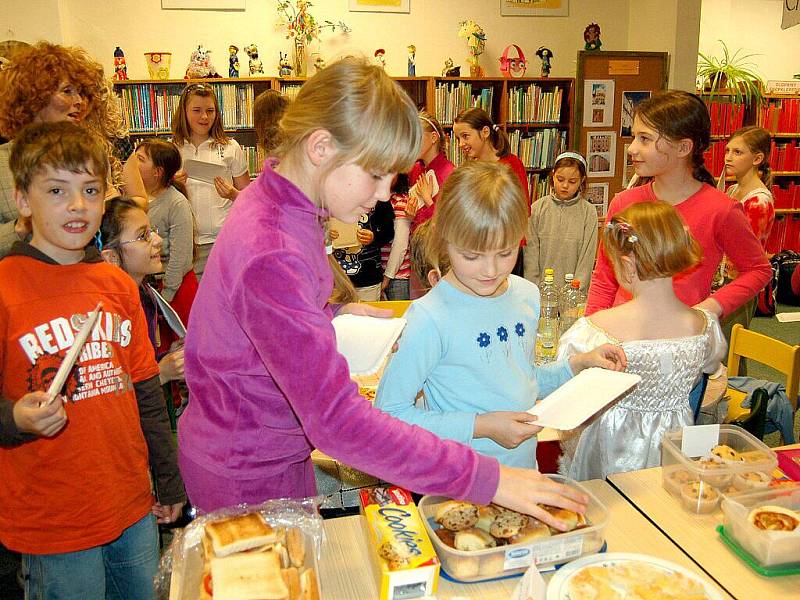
[
  {"x": 513, "y": 559},
  {"x": 769, "y": 548},
  {"x": 699, "y": 485}
]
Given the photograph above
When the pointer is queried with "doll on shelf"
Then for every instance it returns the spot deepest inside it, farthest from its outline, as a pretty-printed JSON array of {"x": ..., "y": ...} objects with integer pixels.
[
  {"x": 545, "y": 54},
  {"x": 591, "y": 35},
  {"x": 233, "y": 61},
  {"x": 412, "y": 60}
]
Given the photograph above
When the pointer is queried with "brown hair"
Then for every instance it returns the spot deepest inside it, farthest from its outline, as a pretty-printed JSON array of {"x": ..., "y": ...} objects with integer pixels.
[
  {"x": 758, "y": 140},
  {"x": 566, "y": 163},
  {"x": 268, "y": 109},
  {"x": 678, "y": 115},
  {"x": 181, "y": 133},
  {"x": 477, "y": 118},
  {"x": 372, "y": 121},
  {"x": 482, "y": 208},
  {"x": 654, "y": 234},
  {"x": 60, "y": 145},
  {"x": 167, "y": 157},
  {"x": 430, "y": 124}
]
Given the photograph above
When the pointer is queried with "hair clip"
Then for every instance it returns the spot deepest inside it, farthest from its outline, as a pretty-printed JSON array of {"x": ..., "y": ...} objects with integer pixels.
[
  {"x": 624, "y": 228},
  {"x": 98, "y": 241},
  {"x": 495, "y": 127}
]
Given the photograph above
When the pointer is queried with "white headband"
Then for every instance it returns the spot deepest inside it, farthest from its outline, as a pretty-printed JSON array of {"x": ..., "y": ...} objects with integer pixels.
[
  {"x": 429, "y": 122},
  {"x": 574, "y": 155}
]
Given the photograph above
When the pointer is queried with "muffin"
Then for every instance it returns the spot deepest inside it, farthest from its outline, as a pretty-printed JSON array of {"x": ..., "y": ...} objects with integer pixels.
[
  {"x": 673, "y": 480},
  {"x": 751, "y": 480},
  {"x": 699, "y": 497}
]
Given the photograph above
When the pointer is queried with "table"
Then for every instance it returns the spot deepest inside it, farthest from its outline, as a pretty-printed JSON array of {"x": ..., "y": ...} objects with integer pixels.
[
  {"x": 696, "y": 536},
  {"x": 346, "y": 571}
]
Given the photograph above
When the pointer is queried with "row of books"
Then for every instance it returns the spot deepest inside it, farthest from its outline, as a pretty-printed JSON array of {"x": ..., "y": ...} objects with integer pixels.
[
  {"x": 784, "y": 157},
  {"x": 539, "y": 185},
  {"x": 781, "y": 115},
  {"x": 290, "y": 90},
  {"x": 452, "y": 98},
  {"x": 255, "y": 160},
  {"x": 725, "y": 117},
  {"x": 785, "y": 234},
  {"x": 538, "y": 150},
  {"x": 532, "y": 104},
  {"x": 148, "y": 107},
  {"x": 787, "y": 195},
  {"x": 715, "y": 157}
]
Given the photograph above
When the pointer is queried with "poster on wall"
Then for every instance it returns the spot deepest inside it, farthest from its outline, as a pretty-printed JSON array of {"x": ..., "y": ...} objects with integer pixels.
[
  {"x": 534, "y": 8},
  {"x": 630, "y": 100},
  {"x": 389, "y": 6},
  {"x": 601, "y": 151},
  {"x": 597, "y": 195},
  {"x": 203, "y": 4},
  {"x": 598, "y": 102},
  {"x": 628, "y": 170}
]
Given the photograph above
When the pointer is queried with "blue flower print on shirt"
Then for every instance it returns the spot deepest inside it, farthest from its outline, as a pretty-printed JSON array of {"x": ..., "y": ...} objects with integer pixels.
[
  {"x": 520, "y": 329},
  {"x": 484, "y": 340},
  {"x": 502, "y": 333}
]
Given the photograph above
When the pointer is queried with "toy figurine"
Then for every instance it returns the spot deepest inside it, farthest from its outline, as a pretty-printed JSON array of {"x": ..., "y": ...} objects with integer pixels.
[
  {"x": 412, "y": 60},
  {"x": 319, "y": 62},
  {"x": 545, "y": 54},
  {"x": 449, "y": 70},
  {"x": 120, "y": 68},
  {"x": 200, "y": 66},
  {"x": 256, "y": 68},
  {"x": 233, "y": 61},
  {"x": 591, "y": 35},
  {"x": 513, "y": 66},
  {"x": 380, "y": 58},
  {"x": 284, "y": 66}
]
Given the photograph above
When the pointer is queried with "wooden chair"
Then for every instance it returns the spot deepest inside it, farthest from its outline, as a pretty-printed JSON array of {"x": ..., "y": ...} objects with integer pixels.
[
  {"x": 767, "y": 351},
  {"x": 398, "y": 306}
]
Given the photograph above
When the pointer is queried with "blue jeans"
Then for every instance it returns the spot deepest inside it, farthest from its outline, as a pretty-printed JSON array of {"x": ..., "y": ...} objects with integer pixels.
[
  {"x": 397, "y": 289},
  {"x": 123, "y": 569}
]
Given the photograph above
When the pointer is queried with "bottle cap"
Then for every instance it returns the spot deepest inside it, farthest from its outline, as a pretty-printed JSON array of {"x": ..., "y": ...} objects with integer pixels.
[
  {"x": 576, "y": 284},
  {"x": 569, "y": 277}
]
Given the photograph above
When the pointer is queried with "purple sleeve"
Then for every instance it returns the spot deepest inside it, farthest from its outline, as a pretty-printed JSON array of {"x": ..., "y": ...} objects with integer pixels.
[{"x": 296, "y": 342}]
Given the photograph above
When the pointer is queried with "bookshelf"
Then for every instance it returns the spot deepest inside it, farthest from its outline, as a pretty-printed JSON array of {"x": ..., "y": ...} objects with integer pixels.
[{"x": 536, "y": 113}]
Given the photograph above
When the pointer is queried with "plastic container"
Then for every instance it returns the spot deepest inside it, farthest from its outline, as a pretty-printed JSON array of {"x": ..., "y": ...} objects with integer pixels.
[
  {"x": 699, "y": 485},
  {"x": 514, "y": 559},
  {"x": 768, "y": 548},
  {"x": 180, "y": 574}
]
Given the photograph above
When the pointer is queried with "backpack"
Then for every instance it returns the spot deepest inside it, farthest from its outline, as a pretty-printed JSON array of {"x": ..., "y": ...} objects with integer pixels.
[
  {"x": 785, "y": 262},
  {"x": 765, "y": 299}
]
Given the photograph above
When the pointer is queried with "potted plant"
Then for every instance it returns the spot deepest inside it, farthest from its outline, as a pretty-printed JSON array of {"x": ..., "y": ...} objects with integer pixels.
[{"x": 731, "y": 74}]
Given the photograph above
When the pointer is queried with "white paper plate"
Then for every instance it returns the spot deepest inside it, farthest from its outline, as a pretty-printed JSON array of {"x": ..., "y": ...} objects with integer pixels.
[
  {"x": 558, "y": 588},
  {"x": 366, "y": 341},
  {"x": 581, "y": 397}
]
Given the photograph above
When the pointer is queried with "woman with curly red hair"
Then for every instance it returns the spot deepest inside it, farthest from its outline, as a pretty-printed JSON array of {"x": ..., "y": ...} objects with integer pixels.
[{"x": 49, "y": 82}]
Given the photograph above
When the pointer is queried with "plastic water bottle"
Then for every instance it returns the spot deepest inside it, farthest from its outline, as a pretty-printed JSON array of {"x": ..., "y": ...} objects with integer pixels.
[
  {"x": 574, "y": 306},
  {"x": 547, "y": 331},
  {"x": 563, "y": 293}
]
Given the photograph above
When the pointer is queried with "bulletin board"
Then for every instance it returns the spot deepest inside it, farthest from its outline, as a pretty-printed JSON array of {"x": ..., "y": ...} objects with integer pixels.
[{"x": 608, "y": 87}]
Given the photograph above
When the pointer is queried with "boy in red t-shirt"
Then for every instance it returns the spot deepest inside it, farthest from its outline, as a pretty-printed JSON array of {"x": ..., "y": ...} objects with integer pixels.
[{"x": 77, "y": 499}]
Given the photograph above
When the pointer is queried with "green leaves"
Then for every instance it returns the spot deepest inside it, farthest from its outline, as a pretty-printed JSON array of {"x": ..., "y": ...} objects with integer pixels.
[{"x": 732, "y": 75}]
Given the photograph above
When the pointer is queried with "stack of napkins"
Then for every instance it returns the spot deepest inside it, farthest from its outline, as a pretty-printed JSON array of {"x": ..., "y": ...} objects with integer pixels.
[{"x": 366, "y": 341}]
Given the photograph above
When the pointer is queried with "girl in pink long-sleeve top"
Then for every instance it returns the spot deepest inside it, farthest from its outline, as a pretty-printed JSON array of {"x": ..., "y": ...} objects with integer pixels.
[
  {"x": 267, "y": 384},
  {"x": 432, "y": 157},
  {"x": 671, "y": 131}
]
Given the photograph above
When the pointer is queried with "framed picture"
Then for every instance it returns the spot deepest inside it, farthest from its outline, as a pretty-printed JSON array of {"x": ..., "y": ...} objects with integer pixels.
[
  {"x": 630, "y": 100},
  {"x": 629, "y": 169},
  {"x": 598, "y": 102},
  {"x": 597, "y": 195},
  {"x": 601, "y": 153},
  {"x": 387, "y": 6},
  {"x": 534, "y": 8},
  {"x": 203, "y": 4}
]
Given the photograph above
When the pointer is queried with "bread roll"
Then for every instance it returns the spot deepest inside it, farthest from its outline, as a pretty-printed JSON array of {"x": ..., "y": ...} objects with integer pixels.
[
  {"x": 774, "y": 518},
  {"x": 533, "y": 530},
  {"x": 570, "y": 518},
  {"x": 508, "y": 524},
  {"x": 486, "y": 516},
  {"x": 473, "y": 539},
  {"x": 447, "y": 537},
  {"x": 454, "y": 515}
]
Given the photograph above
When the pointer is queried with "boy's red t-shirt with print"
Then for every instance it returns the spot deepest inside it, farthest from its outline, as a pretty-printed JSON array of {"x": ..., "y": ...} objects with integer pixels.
[{"x": 83, "y": 487}]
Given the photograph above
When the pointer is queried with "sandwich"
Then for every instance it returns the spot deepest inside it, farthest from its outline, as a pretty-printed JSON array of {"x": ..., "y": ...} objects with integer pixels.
[{"x": 237, "y": 534}]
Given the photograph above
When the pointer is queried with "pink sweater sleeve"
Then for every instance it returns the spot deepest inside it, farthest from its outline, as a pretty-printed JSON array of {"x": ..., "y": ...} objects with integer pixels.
[
  {"x": 297, "y": 345},
  {"x": 603, "y": 286},
  {"x": 739, "y": 243}
]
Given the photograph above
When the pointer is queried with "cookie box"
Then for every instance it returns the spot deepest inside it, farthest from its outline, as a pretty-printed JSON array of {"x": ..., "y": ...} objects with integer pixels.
[
  {"x": 401, "y": 550},
  {"x": 514, "y": 559},
  {"x": 768, "y": 548},
  {"x": 741, "y": 462},
  {"x": 186, "y": 568}
]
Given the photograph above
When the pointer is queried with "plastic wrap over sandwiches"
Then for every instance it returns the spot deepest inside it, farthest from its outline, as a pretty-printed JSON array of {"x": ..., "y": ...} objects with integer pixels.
[{"x": 263, "y": 552}]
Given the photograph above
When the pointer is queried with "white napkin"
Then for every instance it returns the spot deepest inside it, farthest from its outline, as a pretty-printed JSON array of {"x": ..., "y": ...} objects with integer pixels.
[{"x": 366, "y": 341}]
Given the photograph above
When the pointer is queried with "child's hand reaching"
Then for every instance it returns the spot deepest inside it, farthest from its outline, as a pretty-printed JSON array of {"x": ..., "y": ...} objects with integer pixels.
[
  {"x": 607, "y": 356},
  {"x": 425, "y": 189},
  {"x": 171, "y": 366},
  {"x": 365, "y": 236},
  {"x": 167, "y": 514},
  {"x": 507, "y": 428},
  {"x": 34, "y": 413},
  {"x": 411, "y": 208},
  {"x": 225, "y": 189}
]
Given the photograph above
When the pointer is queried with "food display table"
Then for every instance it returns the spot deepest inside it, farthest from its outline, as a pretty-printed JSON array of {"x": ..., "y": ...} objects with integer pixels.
[
  {"x": 347, "y": 573},
  {"x": 696, "y": 535}
]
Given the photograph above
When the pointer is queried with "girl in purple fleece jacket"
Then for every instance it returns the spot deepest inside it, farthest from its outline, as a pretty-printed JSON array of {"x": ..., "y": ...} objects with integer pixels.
[{"x": 267, "y": 384}]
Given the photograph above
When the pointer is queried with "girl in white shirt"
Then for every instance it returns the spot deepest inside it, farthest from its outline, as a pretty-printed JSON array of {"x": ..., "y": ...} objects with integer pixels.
[{"x": 198, "y": 132}]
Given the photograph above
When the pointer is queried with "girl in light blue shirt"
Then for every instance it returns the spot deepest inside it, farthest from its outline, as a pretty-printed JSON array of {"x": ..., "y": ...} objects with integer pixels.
[{"x": 469, "y": 342}]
